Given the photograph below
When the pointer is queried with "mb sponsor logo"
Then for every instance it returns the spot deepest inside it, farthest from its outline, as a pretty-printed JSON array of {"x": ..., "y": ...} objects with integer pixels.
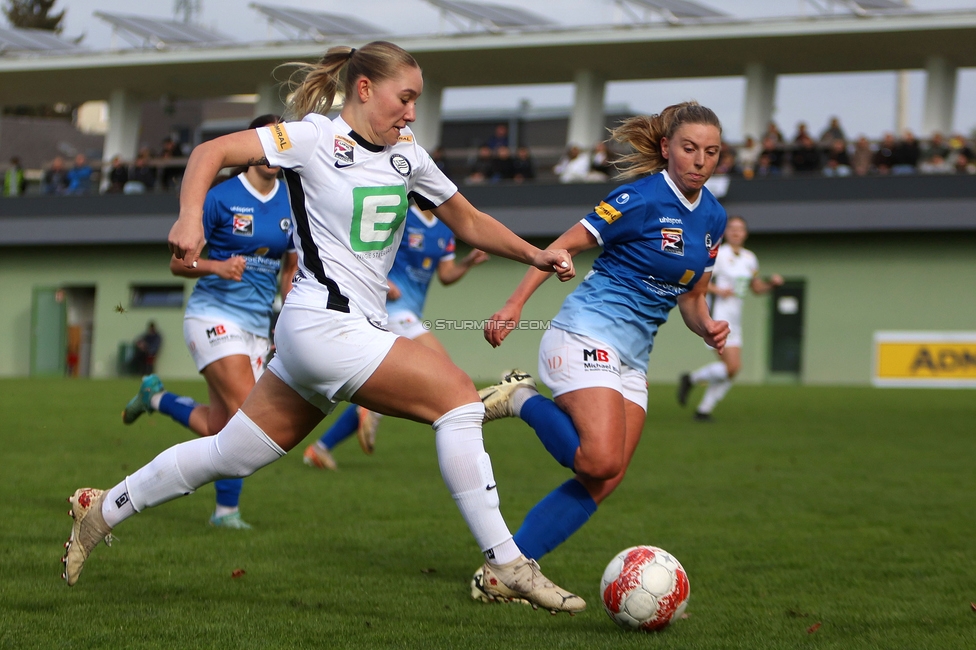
[
  {"x": 218, "y": 330},
  {"x": 598, "y": 360}
]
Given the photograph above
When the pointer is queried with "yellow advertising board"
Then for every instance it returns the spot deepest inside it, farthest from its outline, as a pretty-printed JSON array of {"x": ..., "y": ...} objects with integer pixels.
[{"x": 925, "y": 359}]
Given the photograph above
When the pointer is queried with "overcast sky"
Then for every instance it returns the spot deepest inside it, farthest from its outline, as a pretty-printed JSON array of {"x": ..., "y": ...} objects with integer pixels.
[{"x": 864, "y": 102}]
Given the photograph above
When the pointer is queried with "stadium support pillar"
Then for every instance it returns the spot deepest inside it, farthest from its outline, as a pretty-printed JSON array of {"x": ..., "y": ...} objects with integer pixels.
[
  {"x": 269, "y": 101},
  {"x": 587, "y": 123},
  {"x": 760, "y": 100},
  {"x": 427, "y": 126},
  {"x": 940, "y": 96},
  {"x": 124, "y": 120}
]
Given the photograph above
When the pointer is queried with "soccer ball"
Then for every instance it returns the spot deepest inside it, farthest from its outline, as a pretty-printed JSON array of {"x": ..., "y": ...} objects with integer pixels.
[{"x": 644, "y": 588}]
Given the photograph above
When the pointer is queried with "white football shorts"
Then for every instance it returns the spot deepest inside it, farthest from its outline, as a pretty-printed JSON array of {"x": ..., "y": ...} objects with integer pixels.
[
  {"x": 406, "y": 323},
  {"x": 569, "y": 362},
  {"x": 210, "y": 339},
  {"x": 326, "y": 355}
]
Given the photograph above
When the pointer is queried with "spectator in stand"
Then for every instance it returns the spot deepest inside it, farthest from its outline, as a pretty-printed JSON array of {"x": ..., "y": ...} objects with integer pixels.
[
  {"x": 574, "y": 167},
  {"x": 439, "y": 156},
  {"x": 937, "y": 147},
  {"x": 483, "y": 167},
  {"x": 14, "y": 183},
  {"x": 801, "y": 132},
  {"x": 600, "y": 162},
  {"x": 118, "y": 176},
  {"x": 143, "y": 177},
  {"x": 905, "y": 155},
  {"x": 936, "y": 164},
  {"x": 806, "y": 155},
  {"x": 523, "y": 165},
  {"x": 884, "y": 157},
  {"x": 831, "y": 133},
  {"x": 958, "y": 147},
  {"x": 172, "y": 174},
  {"x": 79, "y": 176},
  {"x": 503, "y": 167},
  {"x": 862, "y": 158},
  {"x": 774, "y": 156},
  {"x": 764, "y": 166},
  {"x": 56, "y": 178},
  {"x": 772, "y": 131},
  {"x": 499, "y": 138},
  {"x": 146, "y": 348},
  {"x": 964, "y": 164},
  {"x": 747, "y": 157},
  {"x": 838, "y": 162},
  {"x": 726, "y": 160}
]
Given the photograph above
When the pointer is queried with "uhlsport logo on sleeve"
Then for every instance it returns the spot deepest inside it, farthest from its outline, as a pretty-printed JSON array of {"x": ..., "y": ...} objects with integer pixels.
[{"x": 925, "y": 359}]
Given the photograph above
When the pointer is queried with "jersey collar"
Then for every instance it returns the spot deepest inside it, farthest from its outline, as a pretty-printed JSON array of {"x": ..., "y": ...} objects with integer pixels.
[
  {"x": 263, "y": 198},
  {"x": 360, "y": 140},
  {"x": 430, "y": 223},
  {"x": 681, "y": 197}
]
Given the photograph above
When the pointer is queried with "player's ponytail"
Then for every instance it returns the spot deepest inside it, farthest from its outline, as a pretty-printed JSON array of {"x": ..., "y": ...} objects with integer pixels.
[
  {"x": 644, "y": 134},
  {"x": 317, "y": 85}
]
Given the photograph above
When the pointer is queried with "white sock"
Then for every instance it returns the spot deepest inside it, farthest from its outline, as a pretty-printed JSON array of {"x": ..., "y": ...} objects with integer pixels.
[
  {"x": 155, "y": 399},
  {"x": 240, "y": 449},
  {"x": 466, "y": 470},
  {"x": 223, "y": 511},
  {"x": 521, "y": 396},
  {"x": 713, "y": 395},
  {"x": 711, "y": 373}
]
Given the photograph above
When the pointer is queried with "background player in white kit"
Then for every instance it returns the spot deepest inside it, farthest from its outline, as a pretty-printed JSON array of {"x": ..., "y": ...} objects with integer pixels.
[
  {"x": 348, "y": 183},
  {"x": 736, "y": 272}
]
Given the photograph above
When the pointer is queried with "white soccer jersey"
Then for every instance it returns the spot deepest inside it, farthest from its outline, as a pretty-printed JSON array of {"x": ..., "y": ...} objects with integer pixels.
[
  {"x": 349, "y": 198},
  {"x": 732, "y": 271}
]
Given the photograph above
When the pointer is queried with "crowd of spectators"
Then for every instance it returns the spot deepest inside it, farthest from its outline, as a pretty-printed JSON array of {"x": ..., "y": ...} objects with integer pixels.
[
  {"x": 832, "y": 154},
  {"x": 495, "y": 162}
]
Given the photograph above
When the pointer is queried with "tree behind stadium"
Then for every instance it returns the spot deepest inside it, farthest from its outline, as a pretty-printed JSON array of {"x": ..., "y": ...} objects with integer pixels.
[{"x": 33, "y": 14}]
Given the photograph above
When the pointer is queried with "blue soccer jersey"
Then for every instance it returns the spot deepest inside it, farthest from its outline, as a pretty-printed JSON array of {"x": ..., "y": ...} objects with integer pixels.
[
  {"x": 656, "y": 246},
  {"x": 425, "y": 244},
  {"x": 238, "y": 220}
]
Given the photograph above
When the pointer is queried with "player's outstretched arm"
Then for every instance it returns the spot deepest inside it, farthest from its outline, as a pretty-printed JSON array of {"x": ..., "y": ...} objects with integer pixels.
[
  {"x": 574, "y": 240},
  {"x": 482, "y": 231},
  {"x": 186, "y": 238},
  {"x": 450, "y": 271},
  {"x": 230, "y": 269},
  {"x": 694, "y": 311},
  {"x": 289, "y": 266},
  {"x": 760, "y": 286}
]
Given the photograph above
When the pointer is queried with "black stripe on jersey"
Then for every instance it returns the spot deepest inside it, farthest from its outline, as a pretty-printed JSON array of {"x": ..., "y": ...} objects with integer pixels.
[
  {"x": 310, "y": 254},
  {"x": 422, "y": 201},
  {"x": 366, "y": 144}
]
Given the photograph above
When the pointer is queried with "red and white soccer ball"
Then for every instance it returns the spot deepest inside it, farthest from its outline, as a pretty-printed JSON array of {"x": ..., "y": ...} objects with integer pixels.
[{"x": 644, "y": 588}]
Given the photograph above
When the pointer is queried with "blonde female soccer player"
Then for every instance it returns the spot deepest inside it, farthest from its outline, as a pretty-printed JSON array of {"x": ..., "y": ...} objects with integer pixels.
[
  {"x": 349, "y": 180},
  {"x": 659, "y": 234},
  {"x": 736, "y": 272}
]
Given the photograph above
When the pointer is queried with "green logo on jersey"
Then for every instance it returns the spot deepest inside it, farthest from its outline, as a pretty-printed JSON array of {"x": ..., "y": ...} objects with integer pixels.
[{"x": 377, "y": 213}]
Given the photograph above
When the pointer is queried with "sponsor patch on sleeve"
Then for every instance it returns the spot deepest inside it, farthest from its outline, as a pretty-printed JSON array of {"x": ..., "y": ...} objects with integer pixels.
[
  {"x": 687, "y": 277},
  {"x": 607, "y": 212},
  {"x": 713, "y": 251},
  {"x": 281, "y": 137},
  {"x": 405, "y": 138}
]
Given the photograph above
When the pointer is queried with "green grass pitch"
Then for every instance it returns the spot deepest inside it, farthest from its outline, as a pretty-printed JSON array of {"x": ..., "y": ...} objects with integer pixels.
[{"x": 806, "y": 518}]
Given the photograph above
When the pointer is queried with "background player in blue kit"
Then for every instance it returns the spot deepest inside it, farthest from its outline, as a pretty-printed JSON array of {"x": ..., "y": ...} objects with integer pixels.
[
  {"x": 659, "y": 235},
  {"x": 427, "y": 247},
  {"x": 248, "y": 226}
]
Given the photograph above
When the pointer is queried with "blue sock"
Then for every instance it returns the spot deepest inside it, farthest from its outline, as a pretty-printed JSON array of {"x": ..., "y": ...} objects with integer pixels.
[
  {"x": 229, "y": 491},
  {"x": 551, "y": 522},
  {"x": 177, "y": 407},
  {"x": 554, "y": 427},
  {"x": 345, "y": 426}
]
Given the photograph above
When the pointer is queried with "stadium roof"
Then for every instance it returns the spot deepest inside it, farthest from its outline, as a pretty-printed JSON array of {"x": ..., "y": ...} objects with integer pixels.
[
  {"x": 489, "y": 16},
  {"x": 141, "y": 31},
  {"x": 34, "y": 41},
  {"x": 838, "y": 43},
  {"x": 316, "y": 25},
  {"x": 674, "y": 11}
]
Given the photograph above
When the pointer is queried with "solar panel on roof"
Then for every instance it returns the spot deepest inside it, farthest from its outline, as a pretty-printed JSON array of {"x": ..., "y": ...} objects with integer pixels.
[
  {"x": 157, "y": 32},
  {"x": 491, "y": 15},
  {"x": 879, "y": 4},
  {"x": 17, "y": 39},
  {"x": 679, "y": 8},
  {"x": 305, "y": 22}
]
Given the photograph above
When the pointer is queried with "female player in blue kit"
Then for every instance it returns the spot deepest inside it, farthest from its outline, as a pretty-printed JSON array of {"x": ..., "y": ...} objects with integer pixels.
[
  {"x": 427, "y": 248},
  {"x": 349, "y": 179},
  {"x": 660, "y": 234},
  {"x": 248, "y": 226}
]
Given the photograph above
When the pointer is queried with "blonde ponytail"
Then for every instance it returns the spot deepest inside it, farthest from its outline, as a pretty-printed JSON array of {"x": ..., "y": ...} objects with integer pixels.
[
  {"x": 644, "y": 133},
  {"x": 316, "y": 85}
]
